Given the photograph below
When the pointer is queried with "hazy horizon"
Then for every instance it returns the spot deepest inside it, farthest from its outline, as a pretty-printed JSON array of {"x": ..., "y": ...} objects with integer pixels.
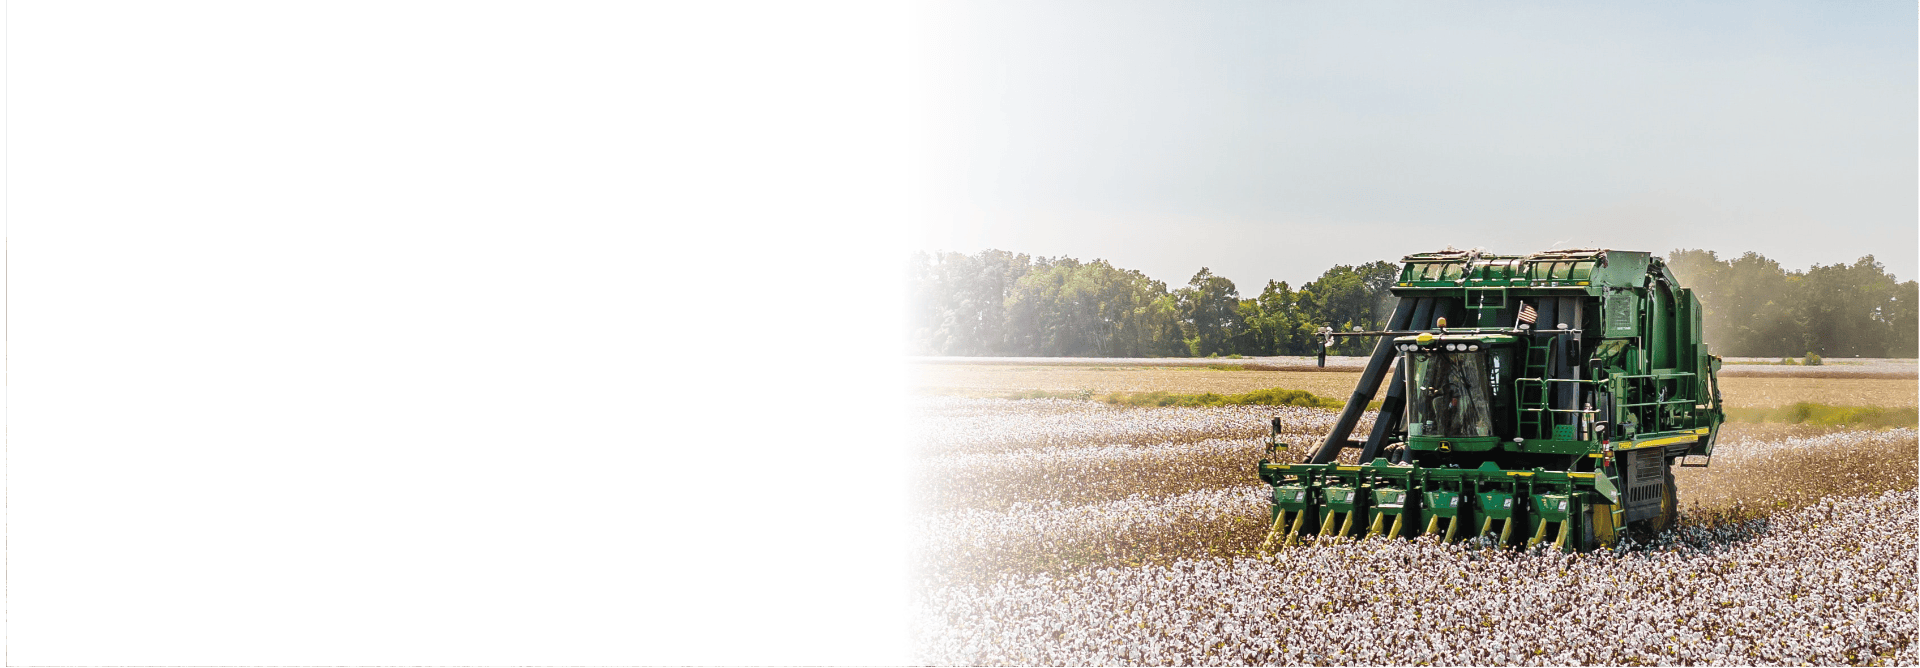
[
  {"x": 1298, "y": 276},
  {"x": 1274, "y": 141}
]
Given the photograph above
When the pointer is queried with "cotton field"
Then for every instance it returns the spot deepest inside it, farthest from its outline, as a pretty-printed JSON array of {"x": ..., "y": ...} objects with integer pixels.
[{"x": 1070, "y": 532}]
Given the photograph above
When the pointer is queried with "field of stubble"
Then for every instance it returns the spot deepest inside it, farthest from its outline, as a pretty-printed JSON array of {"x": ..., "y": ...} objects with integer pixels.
[{"x": 1060, "y": 532}]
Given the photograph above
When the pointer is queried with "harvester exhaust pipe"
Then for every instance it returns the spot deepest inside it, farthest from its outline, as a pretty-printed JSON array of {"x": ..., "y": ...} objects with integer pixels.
[
  {"x": 1442, "y": 310},
  {"x": 1369, "y": 384},
  {"x": 1388, "y": 421},
  {"x": 1569, "y": 393}
]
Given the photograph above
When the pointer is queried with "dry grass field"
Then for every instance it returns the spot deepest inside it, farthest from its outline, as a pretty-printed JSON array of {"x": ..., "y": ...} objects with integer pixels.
[
  {"x": 1769, "y": 391},
  {"x": 1067, "y": 532},
  {"x": 994, "y": 380},
  {"x": 999, "y": 379}
]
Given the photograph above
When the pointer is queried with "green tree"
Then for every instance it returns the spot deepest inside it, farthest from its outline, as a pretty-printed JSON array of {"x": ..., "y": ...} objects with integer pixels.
[
  {"x": 1346, "y": 297},
  {"x": 1065, "y": 307},
  {"x": 1209, "y": 313},
  {"x": 1755, "y": 308},
  {"x": 956, "y": 302},
  {"x": 1270, "y": 323},
  {"x": 1903, "y": 310},
  {"x": 1748, "y": 305},
  {"x": 1849, "y": 310},
  {"x": 1001, "y": 303}
]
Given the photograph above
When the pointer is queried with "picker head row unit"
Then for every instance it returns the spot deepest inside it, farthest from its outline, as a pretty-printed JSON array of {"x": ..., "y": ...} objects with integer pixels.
[{"x": 1530, "y": 399}]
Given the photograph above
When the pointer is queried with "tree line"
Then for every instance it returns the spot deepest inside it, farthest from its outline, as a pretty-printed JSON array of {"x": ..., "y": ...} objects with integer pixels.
[
  {"x": 1755, "y": 308},
  {"x": 999, "y": 303}
]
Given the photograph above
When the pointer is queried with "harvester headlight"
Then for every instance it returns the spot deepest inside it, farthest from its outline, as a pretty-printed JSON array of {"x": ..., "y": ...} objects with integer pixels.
[
  {"x": 1474, "y": 347},
  {"x": 1453, "y": 346}
]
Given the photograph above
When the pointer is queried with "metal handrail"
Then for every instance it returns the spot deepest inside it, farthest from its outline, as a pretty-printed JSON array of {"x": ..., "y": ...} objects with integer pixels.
[
  {"x": 1590, "y": 411},
  {"x": 1659, "y": 403},
  {"x": 1558, "y": 380}
]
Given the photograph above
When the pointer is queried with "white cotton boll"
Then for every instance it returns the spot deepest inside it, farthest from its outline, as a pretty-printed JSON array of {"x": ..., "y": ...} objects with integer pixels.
[{"x": 1848, "y": 560}]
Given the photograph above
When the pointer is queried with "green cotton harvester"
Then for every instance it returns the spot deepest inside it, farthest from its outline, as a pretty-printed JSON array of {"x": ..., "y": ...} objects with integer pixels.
[{"x": 1534, "y": 400}]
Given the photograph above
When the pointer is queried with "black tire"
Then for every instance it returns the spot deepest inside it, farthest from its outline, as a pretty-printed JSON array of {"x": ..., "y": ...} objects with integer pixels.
[
  {"x": 1588, "y": 541},
  {"x": 1670, "y": 503},
  {"x": 1669, "y": 516},
  {"x": 1591, "y": 537}
]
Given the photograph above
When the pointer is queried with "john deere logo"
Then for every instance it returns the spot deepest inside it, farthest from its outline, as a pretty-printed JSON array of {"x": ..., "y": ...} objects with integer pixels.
[{"x": 1446, "y": 446}]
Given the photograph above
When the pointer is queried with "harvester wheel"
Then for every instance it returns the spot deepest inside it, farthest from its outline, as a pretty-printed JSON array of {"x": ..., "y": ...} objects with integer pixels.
[
  {"x": 1669, "y": 501},
  {"x": 1669, "y": 505},
  {"x": 1597, "y": 528},
  {"x": 1669, "y": 511}
]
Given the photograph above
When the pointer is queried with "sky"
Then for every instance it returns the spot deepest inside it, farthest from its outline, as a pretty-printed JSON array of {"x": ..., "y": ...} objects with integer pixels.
[{"x": 1274, "y": 140}]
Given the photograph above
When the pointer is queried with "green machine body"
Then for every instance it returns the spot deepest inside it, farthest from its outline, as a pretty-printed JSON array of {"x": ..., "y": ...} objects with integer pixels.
[{"x": 1530, "y": 400}]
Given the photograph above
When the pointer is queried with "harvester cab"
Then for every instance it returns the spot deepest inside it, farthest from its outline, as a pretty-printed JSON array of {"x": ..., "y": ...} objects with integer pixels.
[{"x": 1549, "y": 411}]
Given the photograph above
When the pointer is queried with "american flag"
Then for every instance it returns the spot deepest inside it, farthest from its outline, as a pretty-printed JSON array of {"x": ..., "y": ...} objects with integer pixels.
[{"x": 1527, "y": 314}]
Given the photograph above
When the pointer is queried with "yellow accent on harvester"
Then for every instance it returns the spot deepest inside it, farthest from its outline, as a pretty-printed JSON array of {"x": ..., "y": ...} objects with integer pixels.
[
  {"x": 1348, "y": 468},
  {"x": 1520, "y": 473},
  {"x": 1424, "y": 338},
  {"x": 1670, "y": 440},
  {"x": 1273, "y": 534},
  {"x": 1580, "y": 475}
]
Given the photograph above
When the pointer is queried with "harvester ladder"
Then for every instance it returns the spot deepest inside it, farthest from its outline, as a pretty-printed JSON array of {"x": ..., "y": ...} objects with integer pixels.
[{"x": 1531, "y": 402}]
